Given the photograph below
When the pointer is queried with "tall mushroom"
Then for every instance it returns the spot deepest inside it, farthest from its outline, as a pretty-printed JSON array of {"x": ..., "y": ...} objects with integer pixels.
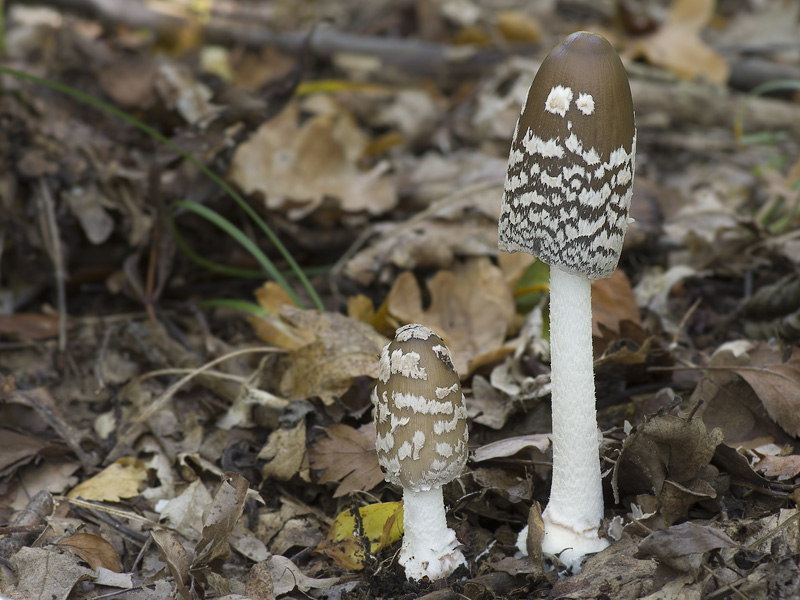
[
  {"x": 566, "y": 200},
  {"x": 422, "y": 437}
]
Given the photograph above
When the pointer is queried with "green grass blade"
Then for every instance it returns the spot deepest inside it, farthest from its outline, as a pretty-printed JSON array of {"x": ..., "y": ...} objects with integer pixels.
[
  {"x": 244, "y": 241},
  {"x": 209, "y": 264},
  {"x": 251, "y": 308},
  {"x": 221, "y": 183}
]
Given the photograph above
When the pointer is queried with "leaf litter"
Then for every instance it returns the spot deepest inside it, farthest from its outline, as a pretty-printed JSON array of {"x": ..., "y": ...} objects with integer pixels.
[{"x": 130, "y": 464}]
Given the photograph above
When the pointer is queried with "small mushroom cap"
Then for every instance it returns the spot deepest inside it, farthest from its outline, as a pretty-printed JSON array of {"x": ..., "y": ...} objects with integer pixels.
[
  {"x": 570, "y": 170},
  {"x": 419, "y": 411}
]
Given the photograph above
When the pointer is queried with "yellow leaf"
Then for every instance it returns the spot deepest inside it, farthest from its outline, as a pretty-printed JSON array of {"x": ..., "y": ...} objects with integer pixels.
[
  {"x": 272, "y": 329},
  {"x": 518, "y": 27},
  {"x": 381, "y": 524},
  {"x": 124, "y": 478}
]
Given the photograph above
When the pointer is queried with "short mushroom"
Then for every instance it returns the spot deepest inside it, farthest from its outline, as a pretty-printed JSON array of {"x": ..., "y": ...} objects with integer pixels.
[
  {"x": 566, "y": 201},
  {"x": 422, "y": 437}
]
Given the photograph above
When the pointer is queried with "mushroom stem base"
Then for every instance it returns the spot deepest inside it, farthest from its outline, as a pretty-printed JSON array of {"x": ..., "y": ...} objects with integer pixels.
[
  {"x": 430, "y": 548},
  {"x": 569, "y": 545}
]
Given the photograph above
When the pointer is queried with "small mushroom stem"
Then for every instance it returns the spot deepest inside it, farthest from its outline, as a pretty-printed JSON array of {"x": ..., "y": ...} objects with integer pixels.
[
  {"x": 575, "y": 509},
  {"x": 430, "y": 547}
]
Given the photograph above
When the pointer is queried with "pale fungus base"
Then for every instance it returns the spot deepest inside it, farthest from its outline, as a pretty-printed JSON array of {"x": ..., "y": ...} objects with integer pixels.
[{"x": 430, "y": 548}]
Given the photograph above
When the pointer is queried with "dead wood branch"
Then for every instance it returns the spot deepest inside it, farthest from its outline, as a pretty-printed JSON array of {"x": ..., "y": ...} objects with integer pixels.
[{"x": 681, "y": 101}]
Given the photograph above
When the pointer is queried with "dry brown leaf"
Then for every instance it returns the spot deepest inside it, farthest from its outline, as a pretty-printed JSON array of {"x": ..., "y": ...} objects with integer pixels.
[
  {"x": 668, "y": 456},
  {"x": 220, "y": 517},
  {"x": 45, "y": 574},
  {"x": 285, "y": 452},
  {"x": 471, "y": 307},
  {"x": 613, "y": 301},
  {"x": 537, "y": 443},
  {"x": 272, "y": 329},
  {"x": 777, "y": 385},
  {"x": 17, "y": 449},
  {"x": 289, "y": 162},
  {"x": 287, "y": 576},
  {"x": 487, "y": 405},
  {"x": 781, "y": 468},
  {"x": 343, "y": 349},
  {"x": 348, "y": 456},
  {"x": 677, "y": 45},
  {"x": 93, "y": 549},
  {"x": 431, "y": 245},
  {"x": 259, "y": 583},
  {"x": 177, "y": 559},
  {"x": 681, "y": 547},
  {"x": 29, "y": 326}
]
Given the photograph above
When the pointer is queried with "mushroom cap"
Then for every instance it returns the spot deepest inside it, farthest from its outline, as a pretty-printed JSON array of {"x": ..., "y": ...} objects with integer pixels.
[
  {"x": 570, "y": 170},
  {"x": 419, "y": 411}
]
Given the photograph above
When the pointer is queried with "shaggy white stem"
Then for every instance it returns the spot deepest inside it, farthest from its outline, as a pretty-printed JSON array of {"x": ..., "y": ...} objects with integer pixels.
[
  {"x": 575, "y": 508},
  {"x": 430, "y": 548}
]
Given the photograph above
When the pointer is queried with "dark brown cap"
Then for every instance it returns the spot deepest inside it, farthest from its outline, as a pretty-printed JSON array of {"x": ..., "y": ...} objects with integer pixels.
[
  {"x": 570, "y": 170},
  {"x": 419, "y": 412}
]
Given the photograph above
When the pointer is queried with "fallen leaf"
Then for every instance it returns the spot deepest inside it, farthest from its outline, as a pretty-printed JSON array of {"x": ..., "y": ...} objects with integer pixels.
[
  {"x": 45, "y": 573},
  {"x": 343, "y": 348},
  {"x": 272, "y": 329},
  {"x": 87, "y": 204},
  {"x": 471, "y": 308},
  {"x": 285, "y": 452},
  {"x": 538, "y": 442},
  {"x": 17, "y": 449},
  {"x": 777, "y": 385},
  {"x": 184, "y": 513},
  {"x": 681, "y": 547},
  {"x": 678, "y": 47},
  {"x": 112, "y": 579},
  {"x": 613, "y": 301},
  {"x": 93, "y": 549},
  {"x": 668, "y": 456},
  {"x": 486, "y": 405},
  {"x": 259, "y": 583},
  {"x": 295, "y": 166},
  {"x": 287, "y": 576},
  {"x": 432, "y": 244},
  {"x": 176, "y": 557},
  {"x": 29, "y": 326},
  {"x": 225, "y": 509},
  {"x": 124, "y": 478},
  {"x": 781, "y": 468},
  {"x": 379, "y": 525},
  {"x": 518, "y": 27},
  {"x": 348, "y": 456}
]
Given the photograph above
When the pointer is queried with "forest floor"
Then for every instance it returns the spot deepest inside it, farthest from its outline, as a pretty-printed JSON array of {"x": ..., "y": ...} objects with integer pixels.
[{"x": 213, "y": 217}]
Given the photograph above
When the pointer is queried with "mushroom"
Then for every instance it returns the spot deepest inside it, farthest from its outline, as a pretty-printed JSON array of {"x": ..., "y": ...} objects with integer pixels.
[
  {"x": 422, "y": 437},
  {"x": 566, "y": 200}
]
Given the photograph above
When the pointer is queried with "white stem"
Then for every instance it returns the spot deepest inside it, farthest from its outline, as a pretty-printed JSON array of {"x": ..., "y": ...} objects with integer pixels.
[
  {"x": 430, "y": 548},
  {"x": 575, "y": 509}
]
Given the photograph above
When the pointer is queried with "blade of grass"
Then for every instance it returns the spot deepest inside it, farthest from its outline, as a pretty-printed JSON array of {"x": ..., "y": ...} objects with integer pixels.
[
  {"x": 244, "y": 241},
  {"x": 209, "y": 264},
  {"x": 221, "y": 183},
  {"x": 235, "y": 271},
  {"x": 764, "y": 88},
  {"x": 251, "y": 308}
]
